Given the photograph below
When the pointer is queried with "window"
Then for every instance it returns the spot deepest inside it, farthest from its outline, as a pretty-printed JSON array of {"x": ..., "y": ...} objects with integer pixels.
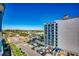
[
  {"x": 45, "y": 28},
  {"x": 45, "y": 32},
  {"x": 48, "y": 24},
  {"x": 52, "y": 30},
  {"x": 48, "y": 42},
  {"x": 52, "y": 24},
  {"x": 52, "y": 41},
  {"x": 56, "y": 24},
  {"x": 56, "y": 36},
  {"x": 53, "y": 35},
  {"x": 48, "y": 27},
  {"x": 56, "y": 32},
  {"x": 56, "y": 29},
  {"x": 56, "y": 42},
  {"x": 48, "y": 37},
  {"x": 56, "y": 45},
  {"x": 48, "y": 30},
  {"x": 52, "y": 27}
]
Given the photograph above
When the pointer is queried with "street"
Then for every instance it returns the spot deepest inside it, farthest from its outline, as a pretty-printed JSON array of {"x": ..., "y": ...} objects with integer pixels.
[{"x": 25, "y": 48}]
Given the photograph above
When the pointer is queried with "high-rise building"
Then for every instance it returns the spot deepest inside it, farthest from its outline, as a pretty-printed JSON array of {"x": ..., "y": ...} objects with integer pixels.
[
  {"x": 68, "y": 34},
  {"x": 1, "y": 15},
  {"x": 50, "y": 34},
  {"x": 63, "y": 34}
]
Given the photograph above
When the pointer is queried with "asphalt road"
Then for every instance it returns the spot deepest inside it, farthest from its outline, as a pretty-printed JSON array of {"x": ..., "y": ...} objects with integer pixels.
[{"x": 25, "y": 48}]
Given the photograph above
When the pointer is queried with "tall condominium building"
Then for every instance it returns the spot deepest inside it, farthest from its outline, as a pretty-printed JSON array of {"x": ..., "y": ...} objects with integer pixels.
[
  {"x": 50, "y": 31},
  {"x": 63, "y": 34},
  {"x": 68, "y": 34},
  {"x": 1, "y": 15}
]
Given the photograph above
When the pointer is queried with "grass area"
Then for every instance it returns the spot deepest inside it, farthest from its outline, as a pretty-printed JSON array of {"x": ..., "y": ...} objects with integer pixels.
[
  {"x": 16, "y": 51},
  {"x": 7, "y": 41}
]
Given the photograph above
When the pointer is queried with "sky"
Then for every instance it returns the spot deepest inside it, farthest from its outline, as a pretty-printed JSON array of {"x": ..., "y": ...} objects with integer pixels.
[{"x": 32, "y": 16}]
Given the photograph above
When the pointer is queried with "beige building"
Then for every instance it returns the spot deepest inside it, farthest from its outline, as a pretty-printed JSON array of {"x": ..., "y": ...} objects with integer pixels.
[
  {"x": 63, "y": 34},
  {"x": 68, "y": 34}
]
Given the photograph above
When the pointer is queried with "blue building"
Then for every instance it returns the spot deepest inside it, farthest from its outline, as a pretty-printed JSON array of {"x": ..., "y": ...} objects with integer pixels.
[
  {"x": 1, "y": 15},
  {"x": 50, "y": 34}
]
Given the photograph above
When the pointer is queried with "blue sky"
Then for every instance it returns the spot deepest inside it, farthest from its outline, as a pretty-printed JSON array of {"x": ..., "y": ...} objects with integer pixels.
[{"x": 33, "y": 16}]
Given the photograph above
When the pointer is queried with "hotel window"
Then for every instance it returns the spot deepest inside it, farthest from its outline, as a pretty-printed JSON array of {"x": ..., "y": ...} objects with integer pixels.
[
  {"x": 48, "y": 37},
  {"x": 48, "y": 27},
  {"x": 52, "y": 35},
  {"x": 45, "y": 32},
  {"x": 52, "y": 24},
  {"x": 48, "y": 41},
  {"x": 45, "y": 28},
  {"x": 56, "y": 29},
  {"x": 52, "y": 38},
  {"x": 49, "y": 30},
  {"x": 56, "y": 42},
  {"x": 56, "y": 38},
  {"x": 45, "y": 25},
  {"x": 52, "y": 30},
  {"x": 48, "y": 24},
  {"x": 56, "y": 32},
  {"x": 56, "y": 45},
  {"x": 56, "y": 24},
  {"x": 56, "y": 35},
  {"x": 49, "y": 34},
  {"x": 52, "y": 27},
  {"x": 52, "y": 42}
]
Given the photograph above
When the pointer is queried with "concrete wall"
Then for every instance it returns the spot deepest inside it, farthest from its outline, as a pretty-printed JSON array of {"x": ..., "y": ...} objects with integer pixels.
[{"x": 68, "y": 34}]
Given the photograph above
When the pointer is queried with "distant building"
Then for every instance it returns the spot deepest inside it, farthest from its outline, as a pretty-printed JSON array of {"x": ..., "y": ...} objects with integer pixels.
[
  {"x": 62, "y": 34},
  {"x": 1, "y": 15}
]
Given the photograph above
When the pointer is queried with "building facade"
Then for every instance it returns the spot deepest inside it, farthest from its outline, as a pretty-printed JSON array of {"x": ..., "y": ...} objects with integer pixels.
[
  {"x": 68, "y": 34},
  {"x": 63, "y": 34},
  {"x": 1, "y": 15},
  {"x": 50, "y": 34}
]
